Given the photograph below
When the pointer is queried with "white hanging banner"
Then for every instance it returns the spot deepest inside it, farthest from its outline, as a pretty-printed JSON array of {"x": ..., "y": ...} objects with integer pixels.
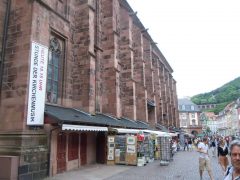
[{"x": 37, "y": 84}]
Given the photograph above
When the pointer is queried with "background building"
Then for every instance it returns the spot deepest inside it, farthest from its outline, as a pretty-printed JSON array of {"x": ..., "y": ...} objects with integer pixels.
[
  {"x": 228, "y": 120},
  {"x": 209, "y": 123},
  {"x": 189, "y": 116}
]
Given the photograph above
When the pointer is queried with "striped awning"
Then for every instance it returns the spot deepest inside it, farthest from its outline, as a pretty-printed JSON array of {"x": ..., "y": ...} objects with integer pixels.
[{"x": 71, "y": 127}]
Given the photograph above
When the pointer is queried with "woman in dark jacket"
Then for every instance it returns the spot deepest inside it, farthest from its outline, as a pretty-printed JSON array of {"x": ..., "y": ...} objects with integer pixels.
[{"x": 222, "y": 155}]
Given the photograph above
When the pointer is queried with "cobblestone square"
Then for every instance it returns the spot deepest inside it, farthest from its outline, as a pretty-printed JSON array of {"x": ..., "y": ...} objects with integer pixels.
[{"x": 183, "y": 167}]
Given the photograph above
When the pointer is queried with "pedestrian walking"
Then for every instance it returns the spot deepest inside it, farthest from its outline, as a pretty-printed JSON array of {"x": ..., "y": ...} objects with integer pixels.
[
  {"x": 204, "y": 160},
  {"x": 190, "y": 144},
  {"x": 185, "y": 144},
  {"x": 213, "y": 144},
  {"x": 227, "y": 141},
  {"x": 222, "y": 154},
  {"x": 233, "y": 172},
  {"x": 174, "y": 147},
  {"x": 195, "y": 142}
]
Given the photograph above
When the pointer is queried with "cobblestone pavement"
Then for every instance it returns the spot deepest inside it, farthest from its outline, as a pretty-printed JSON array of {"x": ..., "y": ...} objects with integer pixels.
[
  {"x": 183, "y": 167},
  {"x": 91, "y": 172}
]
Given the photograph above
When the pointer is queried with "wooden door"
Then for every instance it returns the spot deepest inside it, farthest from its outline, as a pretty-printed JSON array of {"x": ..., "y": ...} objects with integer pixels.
[
  {"x": 101, "y": 148},
  {"x": 83, "y": 149},
  {"x": 73, "y": 146},
  {"x": 61, "y": 152}
]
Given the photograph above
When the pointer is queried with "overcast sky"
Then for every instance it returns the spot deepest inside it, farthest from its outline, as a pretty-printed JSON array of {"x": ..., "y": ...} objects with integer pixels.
[{"x": 199, "y": 38}]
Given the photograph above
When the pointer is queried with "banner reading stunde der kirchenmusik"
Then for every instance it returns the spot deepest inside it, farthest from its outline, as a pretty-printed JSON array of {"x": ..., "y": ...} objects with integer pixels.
[{"x": 37, "y": 84}]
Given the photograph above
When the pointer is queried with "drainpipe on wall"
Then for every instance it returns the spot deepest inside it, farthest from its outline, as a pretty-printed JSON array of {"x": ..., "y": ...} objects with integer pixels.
[{"x": 4, "y": 42}]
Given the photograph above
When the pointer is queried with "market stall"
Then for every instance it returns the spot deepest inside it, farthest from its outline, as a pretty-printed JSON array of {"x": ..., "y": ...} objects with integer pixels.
[
  {"x": 122, "y": 148},
  {"x": 131, "y": 147},
  {"x": 138, "y": 147}
]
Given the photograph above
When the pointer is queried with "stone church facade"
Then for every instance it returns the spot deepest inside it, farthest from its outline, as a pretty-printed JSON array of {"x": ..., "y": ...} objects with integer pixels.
[{"x": 101, "y": 59}]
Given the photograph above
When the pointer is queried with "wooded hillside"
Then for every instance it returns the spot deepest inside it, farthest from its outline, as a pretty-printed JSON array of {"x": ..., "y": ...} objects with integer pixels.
[{"x": 220, "y": 96}]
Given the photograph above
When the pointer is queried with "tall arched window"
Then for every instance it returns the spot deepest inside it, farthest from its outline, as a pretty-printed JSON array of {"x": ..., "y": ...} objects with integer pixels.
[
  {"x": 193, "y": 122},
  {"x": 54, "y": 70}
]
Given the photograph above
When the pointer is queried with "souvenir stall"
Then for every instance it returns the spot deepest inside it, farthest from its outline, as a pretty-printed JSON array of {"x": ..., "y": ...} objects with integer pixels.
[
  {"x": 145, "y": 148},
  {"x": 122, "y": 147},
  {"x": 138, "y": 147}
]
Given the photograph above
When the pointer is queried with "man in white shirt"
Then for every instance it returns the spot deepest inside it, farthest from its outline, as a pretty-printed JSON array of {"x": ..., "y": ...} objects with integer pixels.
[
  {"x": 204, "y": 161},
  {"x": 233, "y": 172}
]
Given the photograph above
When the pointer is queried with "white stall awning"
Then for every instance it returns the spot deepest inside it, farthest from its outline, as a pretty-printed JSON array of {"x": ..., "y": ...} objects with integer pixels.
[
  {"x": 173, "y": 134},
  {"x": 127, "y": 131},
  {"x": 158, "y": 133},
  {"x": 83, "y": 128}
]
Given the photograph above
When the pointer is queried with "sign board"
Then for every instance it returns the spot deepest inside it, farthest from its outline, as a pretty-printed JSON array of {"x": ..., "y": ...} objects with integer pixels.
[
  {"x": 110, "y": 157},
  {"x": 131, "y": 149},
  {"x": 111, "y": 145},
  {"x": 117, "y": 152},
  {"x": 37, "y": 84},
  {"x": 130, "y": 140},
  {"x": 110, "y": 153},
  {"x": 110, "y": 139}
]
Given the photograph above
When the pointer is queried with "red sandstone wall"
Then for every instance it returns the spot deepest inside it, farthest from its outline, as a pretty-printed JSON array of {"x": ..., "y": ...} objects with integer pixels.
[
  {"x": 128, "y": 86},
  {"x": 3, "y": 4},
  {"x": 139, "y": 73},
  {"x": 13, "y": 106},
  {"x": 110, "y": 66}
]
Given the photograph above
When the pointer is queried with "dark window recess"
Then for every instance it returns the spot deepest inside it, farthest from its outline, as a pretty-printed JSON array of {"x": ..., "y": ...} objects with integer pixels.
[{"x": 54, "y": 71}]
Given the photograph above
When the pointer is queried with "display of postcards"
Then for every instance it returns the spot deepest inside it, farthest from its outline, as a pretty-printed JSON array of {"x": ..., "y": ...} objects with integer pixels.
[
  {"x": 110, "y": 151},
  {"x": 120, "y": 142},
  {"x": 117, "y": 152},
  {"x": 165, "y": 148},
  {"x": 120, "y": 139},
  {"x": 122, "y": 156},
  {"x": 111, "y": 145},
  {"x": 110, "y": 157},
  {"x": 110, "y": 139}
]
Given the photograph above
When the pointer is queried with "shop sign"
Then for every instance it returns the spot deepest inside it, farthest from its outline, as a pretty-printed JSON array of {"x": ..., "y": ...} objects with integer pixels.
[
  {"x": 37, "y": 84},
  {"x": 131, "y": 149}
]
